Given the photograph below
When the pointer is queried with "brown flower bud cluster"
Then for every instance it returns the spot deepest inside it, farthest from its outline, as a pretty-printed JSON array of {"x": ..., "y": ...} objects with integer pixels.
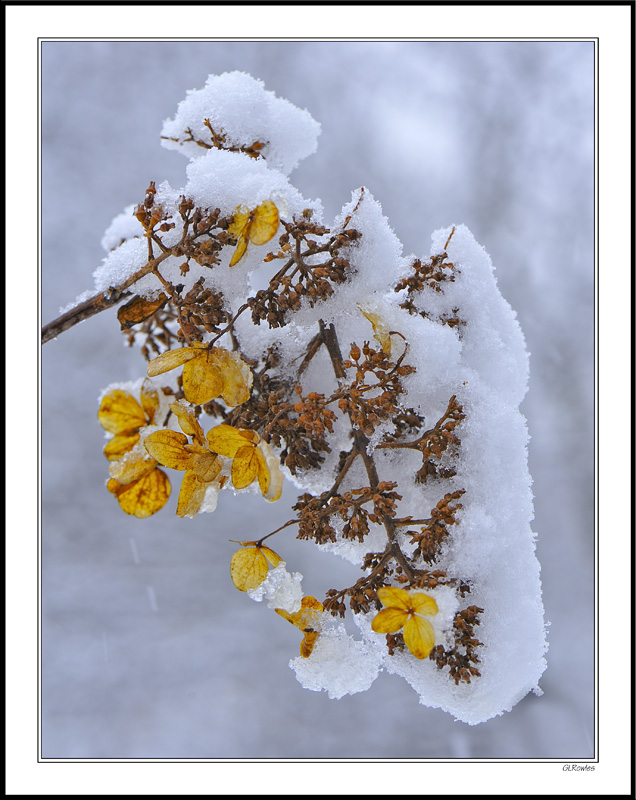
[
  {"x": 433, "y": 443},
  {"x": 430, "y": 537},
  {"x": 313, "y": 266},
  {"x": 373, "y": 395},
  {"x": 201, "y": 309},
  {"x": 461, "y": 658},
  {"x": 425, "y": 274}
]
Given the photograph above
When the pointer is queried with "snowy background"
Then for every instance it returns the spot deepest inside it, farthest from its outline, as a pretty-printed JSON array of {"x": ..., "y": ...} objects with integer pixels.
[{"x": 148, "y": 650}]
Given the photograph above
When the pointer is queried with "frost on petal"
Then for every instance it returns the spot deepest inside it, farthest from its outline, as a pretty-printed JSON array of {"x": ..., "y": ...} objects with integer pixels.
[
  {"x": 281, "y": 589},
  {"x": 239, "y": 221},
  {"x": 120, "y": 444},
  {"x": 133, "y": 466},
  {"x": 276, "y": 478},
  {"x": 149, "y": 400}
]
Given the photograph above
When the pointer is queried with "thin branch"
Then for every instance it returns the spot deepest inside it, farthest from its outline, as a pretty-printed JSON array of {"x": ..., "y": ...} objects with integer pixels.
[{"x": 99, "y": 302}]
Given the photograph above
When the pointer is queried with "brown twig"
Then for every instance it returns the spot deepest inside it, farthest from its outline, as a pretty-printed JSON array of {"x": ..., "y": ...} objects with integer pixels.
[{"x": 99, "y": 302}]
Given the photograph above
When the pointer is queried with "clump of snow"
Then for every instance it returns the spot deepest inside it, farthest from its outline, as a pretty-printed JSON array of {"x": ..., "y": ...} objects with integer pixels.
[
  {"x": 338, "y": 664},
  {"x": 463, "y": 341},
  {"x": 281, "y": 589},
  {"x": 124, "y": 226},
  {"x": 238, "y": 106}
]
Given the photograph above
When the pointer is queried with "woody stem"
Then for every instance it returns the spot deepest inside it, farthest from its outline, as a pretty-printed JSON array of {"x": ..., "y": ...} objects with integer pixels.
[{"x": 361, "y": 443}]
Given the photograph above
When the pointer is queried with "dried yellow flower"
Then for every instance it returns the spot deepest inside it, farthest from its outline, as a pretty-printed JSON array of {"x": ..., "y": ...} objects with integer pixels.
[
  {"x": 249, "y": 567},
  {"x": 202, "y": 467},
  {"x": 257, "y": 226},
  {"x": 307, "y": 618},
  {"x": 252, "y": 459},
  {"x": 208, "y": 372},
  {"x": 380, "y": 331},
  {"x": 140, "y": 488},
  {"x": 120, "y": 414},
  {"x": 408, "y": 611}
]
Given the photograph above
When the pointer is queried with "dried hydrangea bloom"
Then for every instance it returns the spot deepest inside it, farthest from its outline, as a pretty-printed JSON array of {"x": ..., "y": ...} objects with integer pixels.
[
  {"x": 406, "y": 611},
  {"x": 251, "y": 459},
  {"x": 257, "y": 226},
  {"x": 173, "y": 449},
  {"x": 140, "y": 488},
  {"x": 120, "y": 414},
  {"x": 208, "y": 372},
  {"x": 307, "y": 618}
]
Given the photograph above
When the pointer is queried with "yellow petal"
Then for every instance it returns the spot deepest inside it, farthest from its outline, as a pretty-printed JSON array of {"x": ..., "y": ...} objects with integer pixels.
[
  {"x": 380, "y": 330},
  {"x": 308, "y": 642},
  {"x": 273, "y": 558},
  {"x": 144, "y": 497},
  {"x": 149, "y": 400},
  {"x": 264, "y": 223},
  {"x": 168, "y": 448},
  {"x": 276, "y": 477},
  {"x": 120, "y": 444},
  {"x": 191, "y": 495},
  {"x": 171, "y": 359},
  {"x": 240, "y": 220},
  {"x": 187, "y": 421},
  {"x": 241, "y": 247},
  {"x": 202, "y": 380},
  {"x": 285, "y": 615},
  {"x": 262, "y": 472},
  {"x": 248, "y": 568},
  {"x": 207, "y": 465},
  {"x": 131, "y": 467},
  {"x": 392, "y": 597},
  {"x": 227, "y": 441},
  {"x": 307, "y": 617},
  {"x": 419, "y": 636},
  {"x": 389, "y": 620},
  {"x": 236, "y": 375},
  {"x": 245, "y": 466},
  {"x": 119, "y": 412},
  {"x": 423, "y": 604}
]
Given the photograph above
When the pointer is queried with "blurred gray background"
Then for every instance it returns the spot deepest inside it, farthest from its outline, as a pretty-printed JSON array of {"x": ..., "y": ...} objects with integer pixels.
[{"x": 148, "y": 650}]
